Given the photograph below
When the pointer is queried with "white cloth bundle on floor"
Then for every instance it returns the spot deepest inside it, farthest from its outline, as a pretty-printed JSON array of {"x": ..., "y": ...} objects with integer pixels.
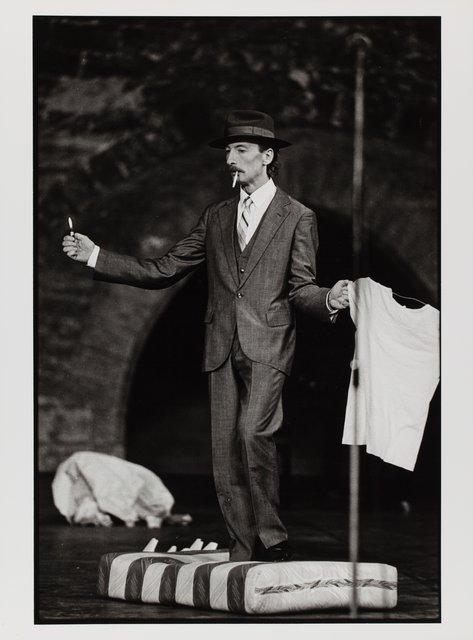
[
  {"x": 88, "y": 486},
  {"x": 397, "y": 363},
  {"x": 207, "y": 580}
]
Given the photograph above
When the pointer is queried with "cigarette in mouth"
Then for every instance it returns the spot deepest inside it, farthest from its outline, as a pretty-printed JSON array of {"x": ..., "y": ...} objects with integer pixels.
[
  {"x": 235, "y": 178},
  {"x": 71, "y": 232}
]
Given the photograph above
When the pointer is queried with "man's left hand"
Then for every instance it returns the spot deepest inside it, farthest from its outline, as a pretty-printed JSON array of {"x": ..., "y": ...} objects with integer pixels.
[{"x": 338, "y": 295}]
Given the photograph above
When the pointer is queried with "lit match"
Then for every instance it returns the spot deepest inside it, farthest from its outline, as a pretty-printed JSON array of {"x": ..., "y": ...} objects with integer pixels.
[
  {"x": 235, "y": 178},
  {"x": 71, "y": 232}
]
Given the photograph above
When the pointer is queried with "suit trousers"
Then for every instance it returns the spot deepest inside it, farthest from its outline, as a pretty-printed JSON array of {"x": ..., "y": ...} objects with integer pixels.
[{"x": 246, "y": 411}]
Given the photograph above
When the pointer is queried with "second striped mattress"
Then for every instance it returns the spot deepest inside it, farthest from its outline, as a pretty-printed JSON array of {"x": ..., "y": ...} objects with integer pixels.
[{"x": 207, "y": 580}]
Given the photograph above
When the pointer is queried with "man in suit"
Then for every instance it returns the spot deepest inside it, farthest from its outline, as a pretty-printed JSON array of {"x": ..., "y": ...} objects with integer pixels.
[{"x": 260, "y": 248}]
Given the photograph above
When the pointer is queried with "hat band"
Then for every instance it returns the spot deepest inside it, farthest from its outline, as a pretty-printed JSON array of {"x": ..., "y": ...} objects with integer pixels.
[{"x": 245, "y": 130}]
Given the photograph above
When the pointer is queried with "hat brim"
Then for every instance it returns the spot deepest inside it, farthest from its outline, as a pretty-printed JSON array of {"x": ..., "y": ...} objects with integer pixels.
[{"x": 221, "y": 143}]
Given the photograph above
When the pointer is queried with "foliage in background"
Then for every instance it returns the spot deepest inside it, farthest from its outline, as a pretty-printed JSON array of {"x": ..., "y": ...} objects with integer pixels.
[{"x": 182, "y": 72}]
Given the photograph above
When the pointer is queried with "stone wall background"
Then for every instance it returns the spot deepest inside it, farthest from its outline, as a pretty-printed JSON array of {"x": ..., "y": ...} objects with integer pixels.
[{"x": 124, "y": 110}]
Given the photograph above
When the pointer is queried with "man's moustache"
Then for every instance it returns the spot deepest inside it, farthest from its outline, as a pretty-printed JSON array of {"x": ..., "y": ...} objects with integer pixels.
[{"x": 230, "y": 171}]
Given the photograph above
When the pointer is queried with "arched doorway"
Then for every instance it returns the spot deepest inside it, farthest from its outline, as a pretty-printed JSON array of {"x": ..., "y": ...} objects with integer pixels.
[{"x": 168, "y": 421}]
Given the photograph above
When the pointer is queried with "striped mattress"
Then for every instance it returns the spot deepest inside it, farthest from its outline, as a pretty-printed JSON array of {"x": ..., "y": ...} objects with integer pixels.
[{"x": 207, "y": 580}]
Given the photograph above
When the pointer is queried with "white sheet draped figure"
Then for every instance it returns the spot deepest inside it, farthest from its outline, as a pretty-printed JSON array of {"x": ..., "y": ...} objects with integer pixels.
[{"x": 89, "y": 487}]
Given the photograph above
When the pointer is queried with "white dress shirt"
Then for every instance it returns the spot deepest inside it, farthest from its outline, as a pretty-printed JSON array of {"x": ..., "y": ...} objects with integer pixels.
[
  {"x": 92, "y": 261},
  {"x": 261, "y": 199}
]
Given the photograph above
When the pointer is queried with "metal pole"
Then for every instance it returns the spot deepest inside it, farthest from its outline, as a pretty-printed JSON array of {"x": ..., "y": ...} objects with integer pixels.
[{"x": 361, "y": 43}]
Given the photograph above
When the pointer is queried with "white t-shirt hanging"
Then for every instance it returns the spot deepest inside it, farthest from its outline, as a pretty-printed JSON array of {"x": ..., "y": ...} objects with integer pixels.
[{"x": 397, "y": 358}]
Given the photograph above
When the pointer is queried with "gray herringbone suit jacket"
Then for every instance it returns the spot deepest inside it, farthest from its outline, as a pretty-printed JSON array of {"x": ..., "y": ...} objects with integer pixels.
[{"x": 280, "y": 273}]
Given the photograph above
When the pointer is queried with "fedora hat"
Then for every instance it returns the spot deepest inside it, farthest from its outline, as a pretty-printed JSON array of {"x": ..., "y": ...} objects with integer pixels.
[{"x": 254, "y": 126}]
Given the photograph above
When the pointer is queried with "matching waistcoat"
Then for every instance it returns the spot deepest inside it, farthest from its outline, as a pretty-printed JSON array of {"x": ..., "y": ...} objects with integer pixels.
[{"x": 242, "y": 257}]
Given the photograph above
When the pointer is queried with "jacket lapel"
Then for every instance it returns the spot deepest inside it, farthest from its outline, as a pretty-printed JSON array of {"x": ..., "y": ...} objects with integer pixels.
[
  {"x": 227, "y": 217},
  {"x": 274, "y": 216}
]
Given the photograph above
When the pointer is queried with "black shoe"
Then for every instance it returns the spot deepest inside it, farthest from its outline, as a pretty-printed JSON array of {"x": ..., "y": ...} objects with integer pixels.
[{"x": 281, "y": 552}]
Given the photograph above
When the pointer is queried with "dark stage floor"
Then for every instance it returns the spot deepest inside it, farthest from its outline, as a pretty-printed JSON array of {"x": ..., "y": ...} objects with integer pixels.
[{"x": 67, "y": 560}]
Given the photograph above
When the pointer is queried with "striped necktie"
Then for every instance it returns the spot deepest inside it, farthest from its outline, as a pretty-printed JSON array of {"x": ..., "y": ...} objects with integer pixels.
[{"x": 243, "y": 223}]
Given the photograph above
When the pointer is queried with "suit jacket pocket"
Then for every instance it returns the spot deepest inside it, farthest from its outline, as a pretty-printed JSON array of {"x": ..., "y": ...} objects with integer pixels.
[
  {"x": 209, "y": 314},
  {"x": 279, "y": 315}
]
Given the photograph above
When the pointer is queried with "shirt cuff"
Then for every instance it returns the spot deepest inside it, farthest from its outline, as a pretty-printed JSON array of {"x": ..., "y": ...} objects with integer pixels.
[
  {"x": 92, "y": 261},
  {"x": 331, "y": 311}
]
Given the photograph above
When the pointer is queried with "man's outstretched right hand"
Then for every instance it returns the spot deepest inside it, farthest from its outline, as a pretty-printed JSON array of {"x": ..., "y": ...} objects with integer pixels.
[{"x": 77, "y": 247}]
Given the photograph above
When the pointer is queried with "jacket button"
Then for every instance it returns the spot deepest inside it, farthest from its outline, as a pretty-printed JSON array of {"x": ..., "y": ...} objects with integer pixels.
[{"x": 239, "y": 295}]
